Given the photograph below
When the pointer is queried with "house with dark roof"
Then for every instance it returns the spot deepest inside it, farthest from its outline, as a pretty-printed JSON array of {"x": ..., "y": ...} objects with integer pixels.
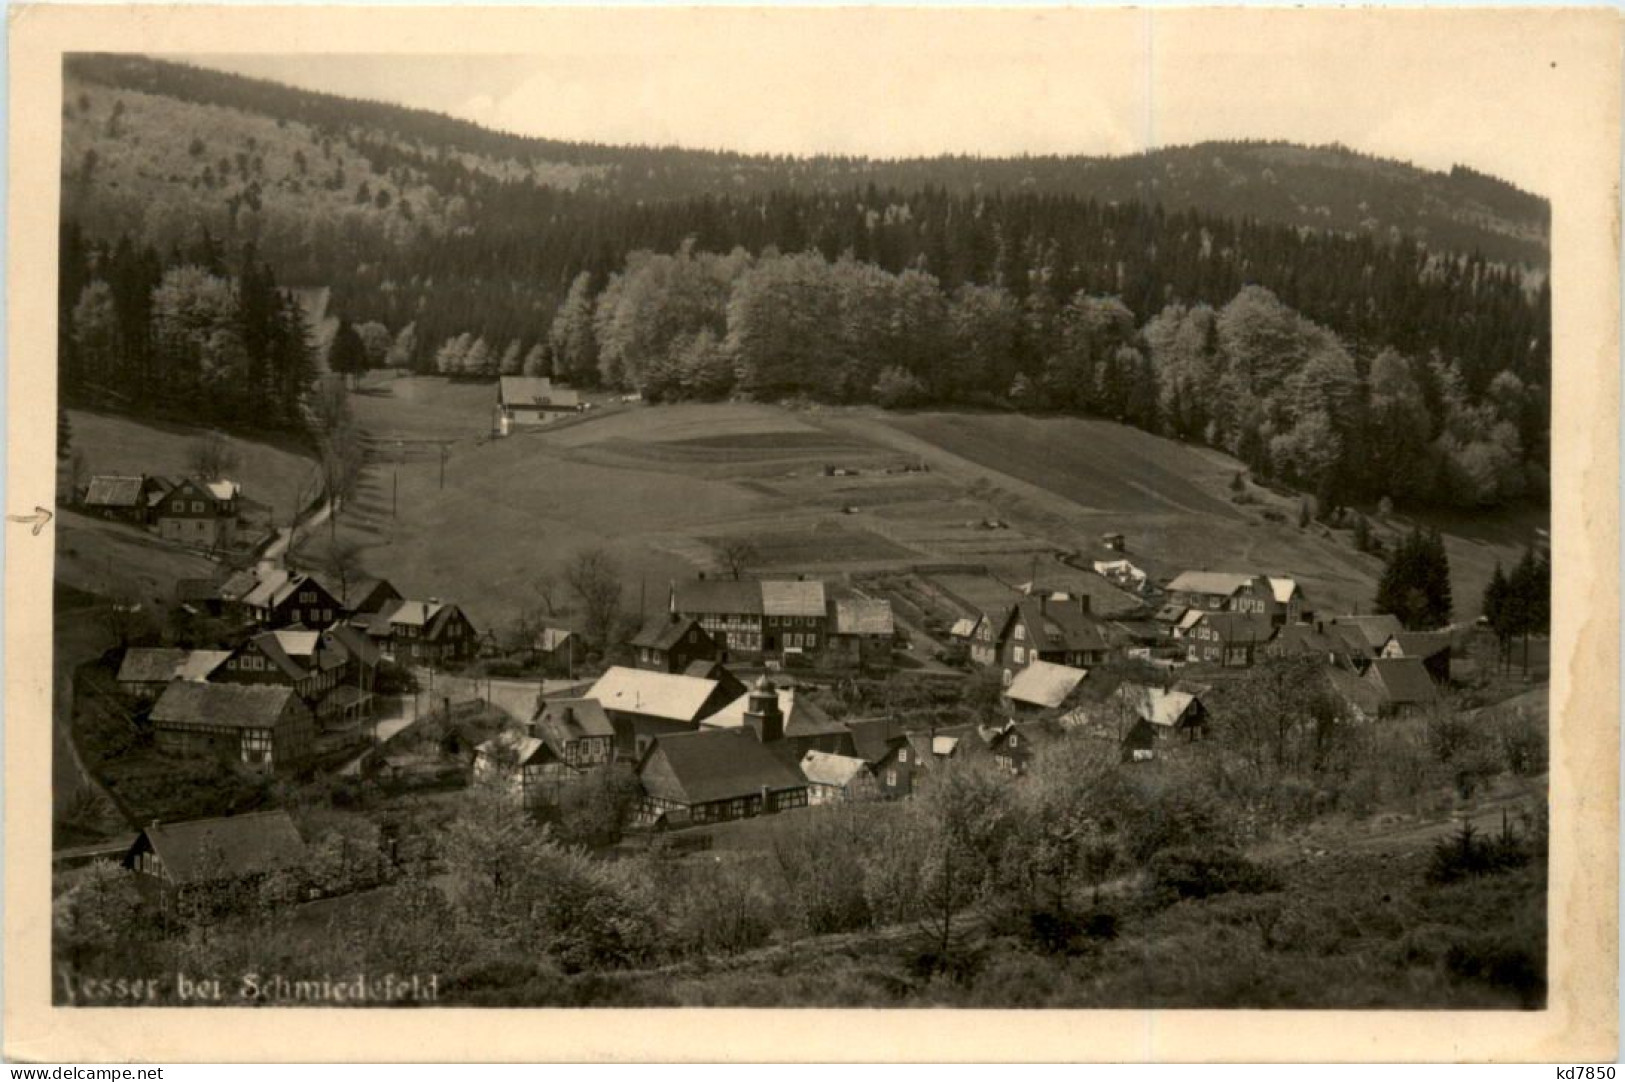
[
  {"x": 561, "y": 649},
  {"x": 1232, "y": 639},
  {"x": 884, "y": 745},
  {"x": 1015, "y": 744},
  {"x": 527, "y": 401},
  {"x": 123, "y": 498},
  {"x": 671, "y": 644},
  {"x": 861, "y": 630},
  {"x": 1334, "y": 645},
  {"x": 333, "y": 670},
  {"x": 730, "y": 610},
  {"x": 204, "y": 851},
  {"x": 715, "y": 775},
  {"x": 1048, "y": 628},
  {"x": 578, "y": 730},
  {"x": 431, "y": 632},
  {"x": 198, "y": 513},
  {"x": 1403, "y": 683},
  {"x": 1375, "y": 629},
  {"x": 1431, "y": 648},
  {"x": 359, "y": 595},
  {"x": 265, "y": 727}
]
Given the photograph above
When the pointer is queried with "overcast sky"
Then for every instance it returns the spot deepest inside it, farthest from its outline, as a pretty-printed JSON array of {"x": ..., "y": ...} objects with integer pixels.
[{"x": 1133, "y": 80}]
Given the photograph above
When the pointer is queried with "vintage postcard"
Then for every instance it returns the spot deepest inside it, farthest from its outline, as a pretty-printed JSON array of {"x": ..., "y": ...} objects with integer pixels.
[{"x": 1099, "y": 523}]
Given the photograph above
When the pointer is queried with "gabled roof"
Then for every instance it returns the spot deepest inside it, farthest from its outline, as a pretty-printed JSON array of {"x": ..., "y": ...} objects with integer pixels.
[
  {"x": 663, "y": 633},
  {"x": 715, "y": 764},
  {"x": 241, "y": 706},
  {"x": 1404, "y": 680},
  {"x": 1293, "y": 639},
  {"x": 1240, "y": 627},
  {"x": 1360, "y": 693},
  {"x": 1156, "y": 705},
  {"x": 717, "y": 597},
  {"x": 1420, "y": 644},
  {"x": 654, "y": 694},
  {"x": 228, "y": 848},
  {"x": 1219, "y": 583},
  {"x": 823, "y": 768},
  {"x": 353, "y": 641},
  {"x": 511, "y": 746},
  {"x": 1044, "y": 683},
  {"x": 708, "y": 669},
  {"x": 1376, "y": 628},
  {"x": 798, "y": 598},
  {"x": 1171, "y": 613},
  {"x": 115, "y": 490},
  {"x": 268, "y": 588},
  {"x": 802, "y": 716},
  {"x": 1189, "y": 620},
  {"x": 964, "y": 627},
  {"x": 412, "y": 613},
  {"x": 865, "y": 616},
  {"x": 270, "y": 645},
  {"x": 565, "y": 720},
  {"x": 150, "y": 664},
  {"x": 222, "y": 490},
  {"x": 297, "y": 643},
  {"x": 532, "y": 390},
  {"x": 238, "y": 585},
  {"x": 875, "y": 738},
  {"x": 199, "y": 664},
  {"x": 1284, "y": 590},
  {"x": 553, "y": 638},
  {"x": 1063, "y": 625}
]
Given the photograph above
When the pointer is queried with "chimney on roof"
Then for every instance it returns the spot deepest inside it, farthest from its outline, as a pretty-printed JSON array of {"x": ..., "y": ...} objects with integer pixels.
[
  {"x": 702, "y": 576},
  {"x": 1083, "y": 604},
  {"x": 1043, "y": 602},
  {"x": 762, "y": 712}
]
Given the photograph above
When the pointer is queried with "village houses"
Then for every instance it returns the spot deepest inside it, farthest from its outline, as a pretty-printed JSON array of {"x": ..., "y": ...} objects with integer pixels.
[
  {"x": 267, "y": 728},
  {"x": 201, "y": 514}
]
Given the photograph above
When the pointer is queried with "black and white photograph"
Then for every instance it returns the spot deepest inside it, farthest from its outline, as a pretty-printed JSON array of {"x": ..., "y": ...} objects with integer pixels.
[{"x": 822, "y": 520}]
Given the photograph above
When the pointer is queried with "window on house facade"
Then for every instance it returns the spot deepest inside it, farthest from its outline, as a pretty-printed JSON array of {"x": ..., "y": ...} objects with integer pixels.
[
  {"x": 1021, "y": 633},
  {"x": 902, "y": 755},
  {"x": 891, "y": 778}
]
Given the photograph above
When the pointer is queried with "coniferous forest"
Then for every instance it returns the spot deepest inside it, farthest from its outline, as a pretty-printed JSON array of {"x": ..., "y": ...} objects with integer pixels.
[{"x": 1312, "y": 311}]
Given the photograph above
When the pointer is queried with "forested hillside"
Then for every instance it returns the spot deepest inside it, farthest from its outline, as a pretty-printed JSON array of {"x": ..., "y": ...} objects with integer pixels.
[{"x": 1355, "y": 326}]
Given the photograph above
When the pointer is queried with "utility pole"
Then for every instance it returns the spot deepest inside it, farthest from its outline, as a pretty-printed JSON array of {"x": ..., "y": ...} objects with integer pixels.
[{"x": 444, "y": 453}]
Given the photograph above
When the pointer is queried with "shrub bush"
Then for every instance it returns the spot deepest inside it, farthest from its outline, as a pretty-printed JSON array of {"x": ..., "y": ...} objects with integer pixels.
[{"x": 1184, "y": 873}]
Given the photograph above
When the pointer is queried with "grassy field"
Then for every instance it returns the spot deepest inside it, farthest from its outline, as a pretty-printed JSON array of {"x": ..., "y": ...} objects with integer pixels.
[
  {"x": 279, "y": 477},
  {"x": 660, "y": 486}
]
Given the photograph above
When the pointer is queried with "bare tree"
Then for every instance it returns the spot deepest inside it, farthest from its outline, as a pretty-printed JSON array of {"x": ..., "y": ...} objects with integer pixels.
[
  {"x": 341, "y": 558},
  {"x": 594, "y": 578},
  {"x": 547, "y": 588},
  {"x": 212, "y": 457},
  {"x": 737, "y": 555}
]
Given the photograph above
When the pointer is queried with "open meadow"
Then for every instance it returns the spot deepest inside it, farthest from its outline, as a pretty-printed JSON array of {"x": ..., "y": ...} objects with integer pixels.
[{"x": 831, "y": 491}]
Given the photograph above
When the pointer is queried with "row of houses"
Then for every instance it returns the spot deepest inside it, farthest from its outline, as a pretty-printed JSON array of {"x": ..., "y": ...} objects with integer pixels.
[
  {"x": 307, "y": 655},
  {"x": 190, "y": 511},
  {"x": 773, "y": 619}
]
